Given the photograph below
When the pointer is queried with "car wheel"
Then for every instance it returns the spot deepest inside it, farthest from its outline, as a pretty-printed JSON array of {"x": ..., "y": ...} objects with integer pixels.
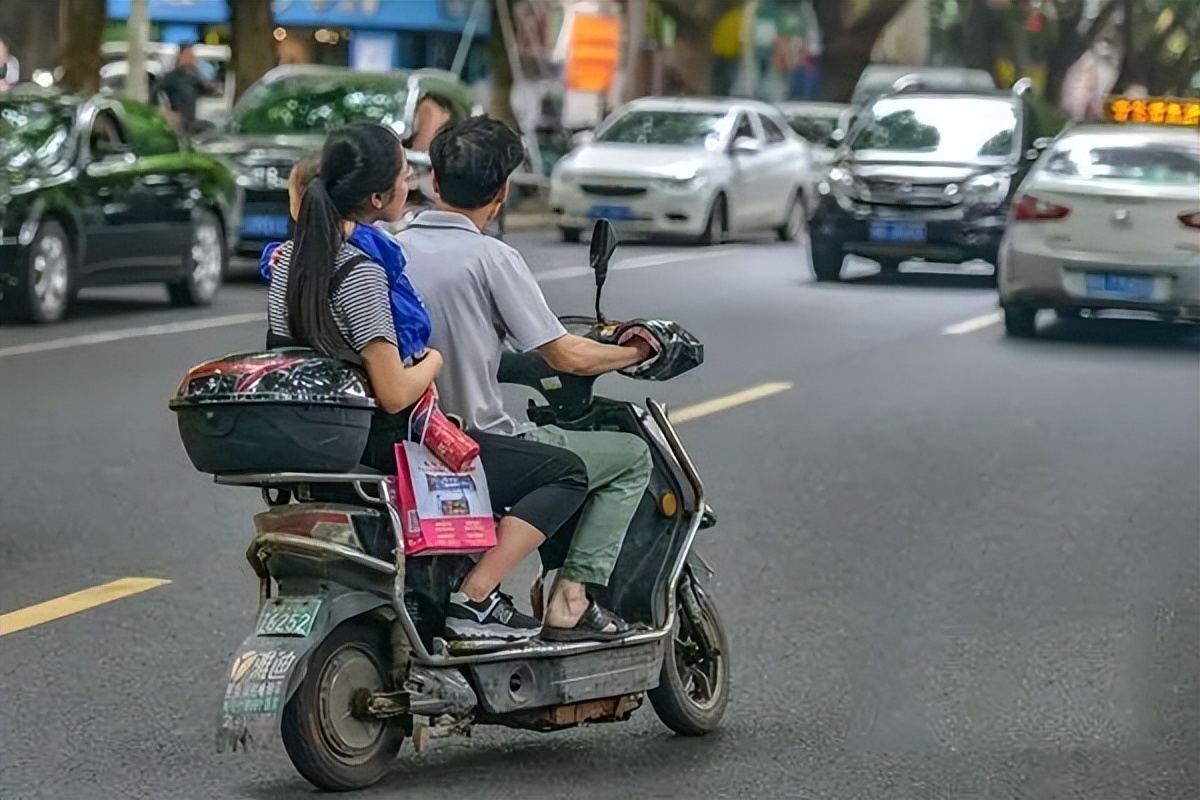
[
  {"x": 43, "y": 290},
  {"x": 571, "y": 235},
  {"x": 1020, "y": 323},
  {"x": 718, "y": 223},
  {"x": 797, "y": 220},
  {"x": 207, "y": 261},
  {"x": 827, "y": 258}
]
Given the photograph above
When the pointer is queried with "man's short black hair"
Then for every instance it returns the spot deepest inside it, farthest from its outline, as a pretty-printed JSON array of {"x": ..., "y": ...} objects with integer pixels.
[{"x": 473, "y": 160}]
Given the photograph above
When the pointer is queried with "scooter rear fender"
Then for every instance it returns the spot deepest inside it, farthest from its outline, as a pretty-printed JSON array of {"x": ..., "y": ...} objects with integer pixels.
[{"x": 266, "y": 670}]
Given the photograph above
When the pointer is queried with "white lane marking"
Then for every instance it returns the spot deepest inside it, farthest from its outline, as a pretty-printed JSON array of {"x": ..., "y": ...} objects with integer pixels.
[
  {"x": 104, "y": 337},
  {"x": 973, "y": 324},
  {"x": 641, "y": 262},
  {"x": 689, "y": 413}
]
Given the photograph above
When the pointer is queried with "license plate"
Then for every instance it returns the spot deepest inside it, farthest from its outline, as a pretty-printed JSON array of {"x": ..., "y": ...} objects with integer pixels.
[
  {"x": 1119, "y": 287},
  {"x": 288, "y": 617},
  {"x": 888, "y": 231},
  {"x": 270, "y": 225},
  {"x": 611, "y": 212}
]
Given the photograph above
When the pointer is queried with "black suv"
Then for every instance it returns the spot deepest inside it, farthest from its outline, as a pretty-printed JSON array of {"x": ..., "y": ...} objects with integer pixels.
[{"x": 923, "y": 175}]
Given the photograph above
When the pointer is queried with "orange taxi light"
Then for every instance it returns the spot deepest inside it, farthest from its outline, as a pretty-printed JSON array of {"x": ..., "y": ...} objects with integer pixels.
[{"x": 1154, "y": 111}]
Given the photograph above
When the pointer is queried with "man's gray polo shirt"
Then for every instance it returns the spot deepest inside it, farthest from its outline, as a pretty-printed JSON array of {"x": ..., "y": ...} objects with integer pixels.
[{"x": 479, "y": 292}]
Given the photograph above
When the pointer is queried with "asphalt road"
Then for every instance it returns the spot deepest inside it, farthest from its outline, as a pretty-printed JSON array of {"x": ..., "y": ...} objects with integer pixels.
[{"x": 952, "y": 566}]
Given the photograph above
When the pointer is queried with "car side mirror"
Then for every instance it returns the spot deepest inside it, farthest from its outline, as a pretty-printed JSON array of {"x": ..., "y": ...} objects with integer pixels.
[
  {"x": 581, "y": 138},
  {"x": 604, "y": 244},
  {"x": 745, "y": 146},
  {"x": 836, "y": 139}
]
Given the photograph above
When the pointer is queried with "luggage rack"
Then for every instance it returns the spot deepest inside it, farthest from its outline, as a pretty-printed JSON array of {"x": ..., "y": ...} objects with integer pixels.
[{"x": 296, "y": 484}]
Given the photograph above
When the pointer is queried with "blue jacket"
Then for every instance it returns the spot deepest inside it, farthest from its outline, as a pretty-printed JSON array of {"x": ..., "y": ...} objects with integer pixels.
[{"x": 409, "y": 316}]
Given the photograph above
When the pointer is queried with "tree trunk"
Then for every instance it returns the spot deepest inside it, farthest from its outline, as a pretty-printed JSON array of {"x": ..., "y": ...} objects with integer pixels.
[
  {"x": 843, "y": 62},
  {"x": 692, "y": 60},
  {"x": 32, "y": 31},
  {"x": 500, "y": 102},
  {"x": 81, "y": 54},
  {"x": 847, "y": 43},
  {"x": 253, "y": 45}
]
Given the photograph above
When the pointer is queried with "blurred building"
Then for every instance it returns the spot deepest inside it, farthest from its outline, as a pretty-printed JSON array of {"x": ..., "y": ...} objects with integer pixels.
[{"x": 365, "y": 34}]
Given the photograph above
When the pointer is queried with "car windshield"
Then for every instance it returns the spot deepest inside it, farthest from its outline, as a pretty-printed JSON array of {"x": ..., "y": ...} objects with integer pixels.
[
  {"x": 816, "y": 128},
  {"x": 308, "y": 104},
  {"x": 678, "y": 128},
  {"x": 958, "y": 130},
  {"x": 34, "y": 131},
  {"x": 1136, "y": 161}
]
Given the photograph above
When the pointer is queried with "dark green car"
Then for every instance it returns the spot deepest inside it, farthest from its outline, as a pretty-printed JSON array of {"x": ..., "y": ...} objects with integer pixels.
[
  {"x": 101, "y": 191},
  {"x": 289, "y": 113}
]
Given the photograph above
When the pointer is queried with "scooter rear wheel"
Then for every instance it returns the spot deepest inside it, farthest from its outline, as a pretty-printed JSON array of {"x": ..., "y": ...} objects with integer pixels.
[
  {"x": 329, "y": 744},
  {"x": 693, "y": 688}
]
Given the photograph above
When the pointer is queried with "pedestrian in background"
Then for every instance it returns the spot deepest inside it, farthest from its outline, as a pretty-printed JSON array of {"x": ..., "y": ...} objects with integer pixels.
[{"x": 178, "y": 90}]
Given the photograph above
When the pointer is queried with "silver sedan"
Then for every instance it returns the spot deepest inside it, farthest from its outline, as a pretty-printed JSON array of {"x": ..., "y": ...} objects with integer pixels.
[
  {"x": 1109, "y": 220},
  {"x": 697, "y": 168}
]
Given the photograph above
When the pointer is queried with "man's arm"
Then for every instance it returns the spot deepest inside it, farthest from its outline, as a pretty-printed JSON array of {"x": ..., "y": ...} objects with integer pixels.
[
  {"x": 533, "y": 326},
  {"x": 576, "y": 355}
]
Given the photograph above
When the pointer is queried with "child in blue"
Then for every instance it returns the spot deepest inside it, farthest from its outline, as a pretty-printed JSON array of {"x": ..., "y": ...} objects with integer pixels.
[{"x": 408, "y": 312}]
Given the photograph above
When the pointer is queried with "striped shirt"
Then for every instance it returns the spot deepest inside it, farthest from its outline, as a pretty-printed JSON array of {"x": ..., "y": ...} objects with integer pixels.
[{"x": 361, "y": 305}]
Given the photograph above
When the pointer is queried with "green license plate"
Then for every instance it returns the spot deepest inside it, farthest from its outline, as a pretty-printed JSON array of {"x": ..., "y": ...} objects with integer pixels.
[{"x": 288, "y": 616}]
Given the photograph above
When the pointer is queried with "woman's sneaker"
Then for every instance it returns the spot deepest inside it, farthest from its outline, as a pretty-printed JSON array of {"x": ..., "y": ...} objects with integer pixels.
[{"x": 494, "y": 618}]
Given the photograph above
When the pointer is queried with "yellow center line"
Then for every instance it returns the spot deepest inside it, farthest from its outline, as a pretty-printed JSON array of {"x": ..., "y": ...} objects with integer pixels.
[
  {"x": 73, "y": 603},
  {"x": 689, "y": 413}
]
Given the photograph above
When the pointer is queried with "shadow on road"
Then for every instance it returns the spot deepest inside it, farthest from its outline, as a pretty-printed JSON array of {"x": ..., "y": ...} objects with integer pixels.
[
  {"x": 1117, "y": 332},
  {"x": 545, "y": 766}
]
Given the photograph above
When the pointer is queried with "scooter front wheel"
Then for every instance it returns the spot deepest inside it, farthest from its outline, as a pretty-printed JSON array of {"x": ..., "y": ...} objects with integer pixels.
[
  {"x": 328, "y": 741},
  {"x": 693, "y": 688}
]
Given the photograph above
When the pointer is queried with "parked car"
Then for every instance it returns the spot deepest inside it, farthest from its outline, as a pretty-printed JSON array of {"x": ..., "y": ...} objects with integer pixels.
[
  {"x": 697, "y": 168},
  {"x": 289, "y": 112},
  {"x": 924, "y": 176},
  {"x": 101, "y": 191},
  {"x": 1109, "y": 220},
  {"x": 213, "y": 62}
]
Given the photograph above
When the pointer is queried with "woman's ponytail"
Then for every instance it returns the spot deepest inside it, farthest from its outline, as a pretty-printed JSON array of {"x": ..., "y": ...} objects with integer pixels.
[{"x": 317, "y": 240}]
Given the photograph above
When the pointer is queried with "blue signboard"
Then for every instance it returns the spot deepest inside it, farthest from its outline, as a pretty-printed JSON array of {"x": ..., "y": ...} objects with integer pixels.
[{"x": 394, "y": 15}]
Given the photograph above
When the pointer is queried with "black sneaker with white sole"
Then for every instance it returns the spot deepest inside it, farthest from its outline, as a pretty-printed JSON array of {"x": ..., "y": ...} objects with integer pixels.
[{"x": 494, "y": 618}]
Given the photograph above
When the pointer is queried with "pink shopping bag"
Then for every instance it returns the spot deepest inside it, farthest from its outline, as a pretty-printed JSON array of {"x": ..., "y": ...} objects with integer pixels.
[{"x": 443, "y": 511}]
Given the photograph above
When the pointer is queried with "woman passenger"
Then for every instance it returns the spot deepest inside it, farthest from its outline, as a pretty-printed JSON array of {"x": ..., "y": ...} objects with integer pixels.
[{"x": 330, "y": 291}]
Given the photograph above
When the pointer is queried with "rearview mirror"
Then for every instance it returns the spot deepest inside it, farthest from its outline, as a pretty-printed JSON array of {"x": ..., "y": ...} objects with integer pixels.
[{"x": 604, "y": 244}]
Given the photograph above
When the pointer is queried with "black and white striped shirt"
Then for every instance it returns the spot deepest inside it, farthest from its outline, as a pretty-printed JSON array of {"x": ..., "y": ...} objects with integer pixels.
[{"x": 361, "y": 305}]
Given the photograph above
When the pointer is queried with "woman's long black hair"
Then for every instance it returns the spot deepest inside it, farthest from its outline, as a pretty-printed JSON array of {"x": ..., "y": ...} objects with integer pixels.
[{"x": 356, "y": 162}]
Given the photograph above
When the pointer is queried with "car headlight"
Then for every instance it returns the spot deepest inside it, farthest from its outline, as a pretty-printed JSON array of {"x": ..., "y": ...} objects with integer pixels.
[
  {"x": 274, "y": 177},
  {"x": 991, "y": 189},
  {"x": 684, "y": 183},
  {"x": 850, "y": 186}
]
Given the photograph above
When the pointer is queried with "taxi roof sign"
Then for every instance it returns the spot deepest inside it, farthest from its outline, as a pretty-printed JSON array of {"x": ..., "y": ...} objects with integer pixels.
[{"x": 1153, "y": 110}]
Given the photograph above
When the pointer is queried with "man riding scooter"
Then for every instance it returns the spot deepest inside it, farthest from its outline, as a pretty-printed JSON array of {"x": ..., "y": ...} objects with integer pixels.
[{"x": 480, "y": 293}]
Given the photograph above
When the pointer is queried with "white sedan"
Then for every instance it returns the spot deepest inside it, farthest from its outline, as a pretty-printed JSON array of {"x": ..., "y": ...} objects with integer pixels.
[
  {"x": 698, "y": 168},
  {"x": 1109, "y": 220}
]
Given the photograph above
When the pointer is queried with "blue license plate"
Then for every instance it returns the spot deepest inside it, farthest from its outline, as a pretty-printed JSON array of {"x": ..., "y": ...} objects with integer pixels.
[
  {"x": 273, "y": 226},
  {"x": 889, "y": 231},
  {"x": 1119, "y": 287},
  {"x": 618, "y": 213}
]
